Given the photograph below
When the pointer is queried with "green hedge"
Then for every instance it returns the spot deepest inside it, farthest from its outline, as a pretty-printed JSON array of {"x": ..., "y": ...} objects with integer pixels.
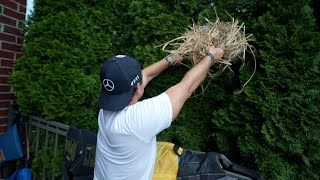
[{"x": 273, "y": 126}]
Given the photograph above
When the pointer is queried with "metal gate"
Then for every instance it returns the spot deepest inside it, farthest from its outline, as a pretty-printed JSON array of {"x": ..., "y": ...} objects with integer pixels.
[{"x": 46, "y": 141}]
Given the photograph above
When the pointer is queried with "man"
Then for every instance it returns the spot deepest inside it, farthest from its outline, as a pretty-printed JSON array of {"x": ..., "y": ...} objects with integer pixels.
[{"x": 126, "y": 146}]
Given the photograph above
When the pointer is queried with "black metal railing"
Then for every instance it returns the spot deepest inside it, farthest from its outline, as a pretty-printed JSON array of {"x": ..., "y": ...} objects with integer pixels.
[
  {"x": 46, "y": 135},
  {"x": 45, "y": 140}
]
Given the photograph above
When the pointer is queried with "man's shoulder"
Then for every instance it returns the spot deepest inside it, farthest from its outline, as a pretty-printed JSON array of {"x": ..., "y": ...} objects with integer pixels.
[
  {"x": 163, "y": 97},
  {"x": 151, "y": 103}
]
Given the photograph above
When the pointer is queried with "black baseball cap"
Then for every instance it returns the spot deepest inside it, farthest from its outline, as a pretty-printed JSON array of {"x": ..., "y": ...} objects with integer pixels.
[{"x": 119, "y": 76}]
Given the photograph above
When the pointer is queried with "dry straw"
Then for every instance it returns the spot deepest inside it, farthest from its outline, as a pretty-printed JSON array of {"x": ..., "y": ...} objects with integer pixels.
[{"x": 230, "y": 36}]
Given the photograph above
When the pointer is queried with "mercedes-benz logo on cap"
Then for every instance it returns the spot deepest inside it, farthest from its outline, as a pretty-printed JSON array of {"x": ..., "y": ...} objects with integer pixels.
[{"x": 108, "y": 84}]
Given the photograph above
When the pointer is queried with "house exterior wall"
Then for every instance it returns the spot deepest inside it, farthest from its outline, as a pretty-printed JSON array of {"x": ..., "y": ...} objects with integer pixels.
[{"x": 12, "y": 16}]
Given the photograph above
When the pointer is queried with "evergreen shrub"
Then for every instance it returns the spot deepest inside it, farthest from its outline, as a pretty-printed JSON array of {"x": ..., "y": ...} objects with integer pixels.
[{"x": 273, "y": 126}]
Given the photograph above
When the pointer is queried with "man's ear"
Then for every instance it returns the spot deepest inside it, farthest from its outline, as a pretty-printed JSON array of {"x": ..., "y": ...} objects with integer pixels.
[{"x": 139, "y": 89}]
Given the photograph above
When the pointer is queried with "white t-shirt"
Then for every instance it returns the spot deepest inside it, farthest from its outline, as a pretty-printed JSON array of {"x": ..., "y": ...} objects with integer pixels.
[{"x": 126, "y": 147}]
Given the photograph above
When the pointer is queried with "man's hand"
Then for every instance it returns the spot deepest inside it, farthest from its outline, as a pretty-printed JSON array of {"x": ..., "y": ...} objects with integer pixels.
[
  {"x": 176, "y": 59},
  {"x": 156, "y": 68},
  {"x": 217, "y": 52}
]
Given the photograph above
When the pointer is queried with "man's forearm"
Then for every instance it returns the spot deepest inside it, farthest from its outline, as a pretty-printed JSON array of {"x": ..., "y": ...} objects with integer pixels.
[
  {"x": 196, "y": 75},
  {"x": 154, "y": 70},
  {"x": 180, "y": 92}
]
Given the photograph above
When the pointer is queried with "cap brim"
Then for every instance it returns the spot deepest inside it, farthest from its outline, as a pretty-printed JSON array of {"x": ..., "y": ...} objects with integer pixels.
[{"x": 114, "y": 102}]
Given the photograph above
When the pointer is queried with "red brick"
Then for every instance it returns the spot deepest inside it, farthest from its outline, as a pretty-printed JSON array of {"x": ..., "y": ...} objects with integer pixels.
[
  {"x": 14, "y": 31},
  {"x": 6, "y": 63},
  {"x": 4, "y": 104},
  {"x": 11, "y": 47},
  {"x": 3, "y": 120},
  {"x": 3, "y": 129},
  {"x": 9, "y": 4},
  {"x": 14, "y": 14},
  {"x": 7, "y": 20},
  {"x": 7, "y": 97},
  {"x": 7, "y": 37},
  {"x": 22, "y": 9},
  {"x": 5, "y": 71},
  {"x": 18, "y": 55},
  {"x": 23, "y": 2},
  {"x": 6, "y": 54},
  {"x": 19, "y": 40},
  {"x": 4, "y": 112},
  {"x": 4, "y": 80},
  {"x": 4, "y": 89}
]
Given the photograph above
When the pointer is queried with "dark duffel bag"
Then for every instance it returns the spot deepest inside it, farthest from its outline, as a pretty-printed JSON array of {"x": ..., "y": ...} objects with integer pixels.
[
  {"x": 79, "y": 156},
  {"x": 196, "y": 165}
]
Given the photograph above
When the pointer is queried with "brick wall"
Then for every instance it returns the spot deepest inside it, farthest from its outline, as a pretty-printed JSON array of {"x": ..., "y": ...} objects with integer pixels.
[{"x": 12, "y": 16}]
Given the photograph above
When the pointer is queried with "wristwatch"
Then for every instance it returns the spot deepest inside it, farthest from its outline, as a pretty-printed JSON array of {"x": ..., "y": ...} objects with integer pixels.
[
  {"x": 211, "y": 57},
  {"x": 169, "y": 60}
]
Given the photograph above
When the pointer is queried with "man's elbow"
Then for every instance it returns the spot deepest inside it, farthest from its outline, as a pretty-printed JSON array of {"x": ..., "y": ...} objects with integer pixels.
[{"x": 178, "y": 95}]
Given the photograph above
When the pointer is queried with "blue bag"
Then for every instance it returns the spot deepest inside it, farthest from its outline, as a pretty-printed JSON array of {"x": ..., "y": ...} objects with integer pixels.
[
  {"x": 10, "y": 146},
  {"x": 21, "y": 174}
]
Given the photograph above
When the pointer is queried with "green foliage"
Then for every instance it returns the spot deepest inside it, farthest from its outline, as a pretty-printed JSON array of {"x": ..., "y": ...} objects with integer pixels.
[
  {"x": 47, "y": 160},
  {"x": 273, "y": 126},
  {"x": 58, "y": 76},
  {"x": 276, "y": 118},
  {"x": 45, "y": 164}
]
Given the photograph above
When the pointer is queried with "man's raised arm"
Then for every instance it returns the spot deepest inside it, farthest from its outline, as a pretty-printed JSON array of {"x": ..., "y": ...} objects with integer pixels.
[
  {"x": 180, "y": 92},
  {"x": 155, "y": 69}
]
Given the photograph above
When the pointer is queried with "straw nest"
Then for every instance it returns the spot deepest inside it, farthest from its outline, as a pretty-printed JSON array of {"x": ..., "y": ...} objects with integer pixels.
[{"x": 230, "y": 36}]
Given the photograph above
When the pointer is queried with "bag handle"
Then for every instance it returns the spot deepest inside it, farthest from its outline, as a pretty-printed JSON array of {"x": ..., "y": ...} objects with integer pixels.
[
  {"x": 235, "y": 168},
  {"x": 178, "y": 149}
]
